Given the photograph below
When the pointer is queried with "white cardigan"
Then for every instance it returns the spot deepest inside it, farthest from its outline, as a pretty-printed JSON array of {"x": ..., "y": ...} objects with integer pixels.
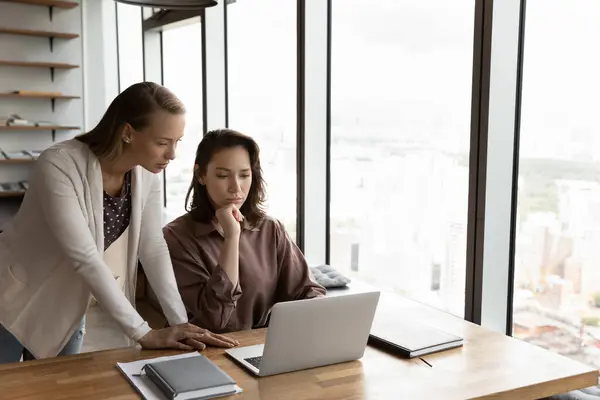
[{"x": 51, "y": 254}]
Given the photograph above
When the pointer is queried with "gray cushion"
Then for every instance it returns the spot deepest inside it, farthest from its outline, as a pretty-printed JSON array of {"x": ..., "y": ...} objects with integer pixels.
[
  {"x": 328, "y": 277},
  {"x": 591, "y": 393}
]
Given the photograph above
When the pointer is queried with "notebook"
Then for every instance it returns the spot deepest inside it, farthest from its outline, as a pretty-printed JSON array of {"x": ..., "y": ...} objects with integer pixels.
[
  {"x": 185, "y": 376},
  {"x": 411, "y": 339}
]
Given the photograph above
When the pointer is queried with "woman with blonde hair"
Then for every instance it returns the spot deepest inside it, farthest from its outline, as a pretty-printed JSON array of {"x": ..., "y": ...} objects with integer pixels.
[{"x": 93, "y": 208}]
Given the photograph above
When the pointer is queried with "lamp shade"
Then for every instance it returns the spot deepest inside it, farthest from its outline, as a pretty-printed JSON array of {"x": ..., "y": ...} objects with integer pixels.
[{"x": 171, "y": 4}]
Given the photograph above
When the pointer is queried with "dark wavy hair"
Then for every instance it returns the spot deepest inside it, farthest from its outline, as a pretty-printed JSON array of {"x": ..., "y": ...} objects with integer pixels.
[{"x": 200, "y": 207}]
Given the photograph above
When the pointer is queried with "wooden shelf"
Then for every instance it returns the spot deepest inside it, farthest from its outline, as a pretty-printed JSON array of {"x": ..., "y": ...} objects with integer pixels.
[
  {"x": 47, "y": 3},
  {"x": 45, "y": 34},
  {"x": 36, "y": 64},
  {"x": 39, "y": 128},
  {"x": 17, "y": 161},
  {"x": 12, "y": 194},
  {"x": 49, "y": 128},
  {"x": 47, "y": 96},
  {"x": 37, "y": 96}
]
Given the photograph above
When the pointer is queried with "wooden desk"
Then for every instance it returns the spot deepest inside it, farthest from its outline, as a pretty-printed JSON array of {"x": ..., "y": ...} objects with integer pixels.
[{"x": 489, "y": 365}]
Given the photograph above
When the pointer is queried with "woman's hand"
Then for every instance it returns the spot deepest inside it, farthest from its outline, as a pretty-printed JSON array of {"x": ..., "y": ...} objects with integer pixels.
[
  {"x": 230, "y": 217},
  {"x": 184, "y": 337}
]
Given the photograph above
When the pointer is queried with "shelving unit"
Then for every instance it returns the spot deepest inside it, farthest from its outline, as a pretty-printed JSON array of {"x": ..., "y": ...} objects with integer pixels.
[{"x": 20, "y": 23}]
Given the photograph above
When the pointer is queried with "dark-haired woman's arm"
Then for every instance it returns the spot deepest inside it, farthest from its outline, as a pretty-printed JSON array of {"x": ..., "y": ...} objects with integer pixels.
[
  {"x": 295, "y": 279},
  {"x": 209, "y": 296},
  {"x": 229, "y": 259}
]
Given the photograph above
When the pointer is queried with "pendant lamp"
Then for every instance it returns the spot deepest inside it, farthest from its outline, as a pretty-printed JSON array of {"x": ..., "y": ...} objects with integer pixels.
[{"x": 171, "y": 4}]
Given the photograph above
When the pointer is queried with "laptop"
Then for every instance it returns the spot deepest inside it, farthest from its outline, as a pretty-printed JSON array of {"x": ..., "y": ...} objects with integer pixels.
[{"x": 311, "y": 333}]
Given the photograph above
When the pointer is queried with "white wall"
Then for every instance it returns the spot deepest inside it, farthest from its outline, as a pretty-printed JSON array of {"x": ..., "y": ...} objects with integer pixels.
[{"x": 24, "y": 48}]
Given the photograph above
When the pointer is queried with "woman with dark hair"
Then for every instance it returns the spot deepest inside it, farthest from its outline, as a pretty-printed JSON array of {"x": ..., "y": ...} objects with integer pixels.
[
  {"x": 232, "y": 262},
  {"x": 93, "y": 208}
]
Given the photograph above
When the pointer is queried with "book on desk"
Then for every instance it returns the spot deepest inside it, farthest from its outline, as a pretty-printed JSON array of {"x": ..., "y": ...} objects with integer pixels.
[
  {"x": 181, "y": 377},
  {"x": 411, "y": 339}
]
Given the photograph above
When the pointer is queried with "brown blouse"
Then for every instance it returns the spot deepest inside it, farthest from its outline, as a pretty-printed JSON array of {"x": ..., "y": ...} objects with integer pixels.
[{"x": 272, "y": 269}]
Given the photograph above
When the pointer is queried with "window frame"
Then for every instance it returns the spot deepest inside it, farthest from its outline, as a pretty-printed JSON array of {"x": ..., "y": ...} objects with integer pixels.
[{"x": 490, "y": 256}]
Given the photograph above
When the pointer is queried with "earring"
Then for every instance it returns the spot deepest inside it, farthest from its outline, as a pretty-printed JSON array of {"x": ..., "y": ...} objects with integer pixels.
[{"x": 126, "y": 140}]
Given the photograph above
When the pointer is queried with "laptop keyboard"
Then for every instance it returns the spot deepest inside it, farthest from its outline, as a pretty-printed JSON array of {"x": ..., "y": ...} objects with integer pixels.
[{"x": 255, "y": 361}]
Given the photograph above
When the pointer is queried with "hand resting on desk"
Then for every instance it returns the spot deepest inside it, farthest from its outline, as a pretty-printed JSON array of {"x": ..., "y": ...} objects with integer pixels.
[{"x": 184, "y": 337}]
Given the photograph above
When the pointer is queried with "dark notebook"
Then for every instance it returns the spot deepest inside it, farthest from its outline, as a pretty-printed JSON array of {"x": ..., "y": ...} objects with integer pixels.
[
  {"x": 411, "y": 339},
  {"x": 190, "y": 378}
]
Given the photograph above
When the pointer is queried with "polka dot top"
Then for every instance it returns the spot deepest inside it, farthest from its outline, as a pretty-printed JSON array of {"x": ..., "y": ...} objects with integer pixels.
[{"x": 117, "y": 212}]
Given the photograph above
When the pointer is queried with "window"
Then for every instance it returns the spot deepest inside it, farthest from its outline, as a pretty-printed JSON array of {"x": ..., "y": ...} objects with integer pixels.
[
  {"x": 400, "y": 133},
  {"x": 556, "y": 301},
  {"x": 131, "y": 57},
  {"x": 182, "y": 72},
  {"x": 261, "y": 40}
]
